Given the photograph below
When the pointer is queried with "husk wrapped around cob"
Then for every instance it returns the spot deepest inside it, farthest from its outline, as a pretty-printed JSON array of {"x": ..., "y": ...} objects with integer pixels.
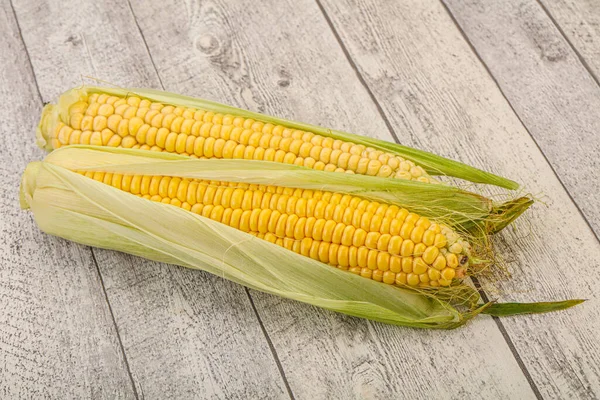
[
  {"x": 68, "y": 204},
  {"x": 167, "y": 122}
]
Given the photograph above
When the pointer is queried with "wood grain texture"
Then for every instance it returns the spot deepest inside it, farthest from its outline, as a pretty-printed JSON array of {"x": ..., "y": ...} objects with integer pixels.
[
  {"x": 186, "y": 334},
  {"x": 579, "y": 21},
  {"x": 190, "y": 335},
  {"x": 438, "y": 95},
  {"x": 71, "y": 40},
  {"x": 558, "y": 101},
  {"x": 218, "y": 50},
  {"x": 549, "y": 88},
  {"x": 57, "y": 337}
]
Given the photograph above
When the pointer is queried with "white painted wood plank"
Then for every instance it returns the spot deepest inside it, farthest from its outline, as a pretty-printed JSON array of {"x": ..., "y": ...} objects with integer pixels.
[
  {"x": 69, "y": 40},
  {"x": 579, "y": 21},
  {"x": 57, "y": 337},
  {"x": 185, "y": 333},
  {"x": 559, "y": 102},
  {"x": 551, "y": 91},
  {"x": 435, "y": 91},
  {"x": 188, "y": 334},
  {"x": 281, "y": 58}
]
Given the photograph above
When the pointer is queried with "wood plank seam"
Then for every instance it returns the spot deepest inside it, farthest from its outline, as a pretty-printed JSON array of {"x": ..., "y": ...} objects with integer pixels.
[
  {"x": 271, "y": 346},
  {"x": 145, "y": 44},
  {"x": 358, "y": 74},
  {"x": 37, "y": 87},
  {"x": 484, "y": 296},
  {"x": 489, "y": 72},
  {"x": 260, "y": 322},
  {"x": 577, "y": 53},
  {"x": 112, "y": 315},
  {"x": 510, "y": 343},
  {"x": 91, "y": 249}
]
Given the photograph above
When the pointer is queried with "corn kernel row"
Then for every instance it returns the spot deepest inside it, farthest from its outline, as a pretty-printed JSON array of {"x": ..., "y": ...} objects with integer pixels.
[
  {"x": 348, "y": 232},
  {"x": 132, "y": 122}
]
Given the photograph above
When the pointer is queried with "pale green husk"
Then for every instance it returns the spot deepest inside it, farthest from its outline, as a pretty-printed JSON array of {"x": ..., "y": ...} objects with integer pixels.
[
  {"x": 433, "y": 164},
  {"x": 460, "y": 209},
  {"x": 77, "y": 208}
]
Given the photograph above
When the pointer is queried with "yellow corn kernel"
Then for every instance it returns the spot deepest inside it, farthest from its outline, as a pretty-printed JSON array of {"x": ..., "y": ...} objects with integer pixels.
[
  {"x": 407, "y": 264},
  {"x": 448, "y": 273},
  {"x": 372, "y": 259},
  {"x": 429, "y": 237},
  {"x": 366, "y": 273},
  {"x": 452, "y": 260},
  {"x": 406, "y": 230},
  {"x": 419, "y": 249},
  {"x": 383, "y": 261},
  {"x": 407, "y": 248},
  {"x": 395, "y": 245},
  {"x": 389, "y": 277},
  {"x": 440, "y": 262},
  {"x": 395, "y": 264},
  {"x": 417, "y": 234},
  {"x": 434, "y": 274},
  {"x": 444, "y": 282},
  {"x": 430, "y": 254},
  {"x": 419, "y": 266},
  {"x": 413, "y": 279},
  {"x": 401, "y": 278},
  {"x": 440, "y": 241}
]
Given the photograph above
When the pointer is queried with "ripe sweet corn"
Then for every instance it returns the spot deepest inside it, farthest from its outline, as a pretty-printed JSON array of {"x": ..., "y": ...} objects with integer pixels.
[
  {"x": 374, "y": 240},
  {"x": 133, "y": 122},
  {"x": 276, "y": 239},
  {"x": 150, "y": 120}
]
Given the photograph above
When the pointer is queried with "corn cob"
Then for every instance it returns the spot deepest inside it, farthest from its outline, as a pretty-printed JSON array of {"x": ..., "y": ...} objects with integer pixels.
[
  {"x": 133, "y": 122},
  {"x": 374, "y": 240},
  {"x": 164, "y": 122},
  {"x": 170, "y": 208}
]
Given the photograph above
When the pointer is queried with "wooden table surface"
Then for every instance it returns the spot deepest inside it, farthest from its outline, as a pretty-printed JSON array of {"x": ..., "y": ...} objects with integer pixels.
[{"x": 508, "y": 86}]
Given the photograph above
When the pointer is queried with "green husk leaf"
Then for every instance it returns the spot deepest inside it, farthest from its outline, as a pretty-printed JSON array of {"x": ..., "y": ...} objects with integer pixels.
[
  {"x": 507, "y": 309},
  {"x": 463, "y": 210},
  {"x": 506, "y": 213},
  {"x": 433, "y": 164}
]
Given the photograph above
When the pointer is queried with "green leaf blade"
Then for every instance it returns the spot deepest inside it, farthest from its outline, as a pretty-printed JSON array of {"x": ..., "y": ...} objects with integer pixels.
[{"x": 508, "y": 309}]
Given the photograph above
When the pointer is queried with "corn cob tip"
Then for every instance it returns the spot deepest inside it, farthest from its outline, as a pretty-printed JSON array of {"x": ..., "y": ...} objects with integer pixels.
[
  {"x": 28, "y": 184},
  {"x": 47, "y": 122},
  {"x": 54, "y": 116}
]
